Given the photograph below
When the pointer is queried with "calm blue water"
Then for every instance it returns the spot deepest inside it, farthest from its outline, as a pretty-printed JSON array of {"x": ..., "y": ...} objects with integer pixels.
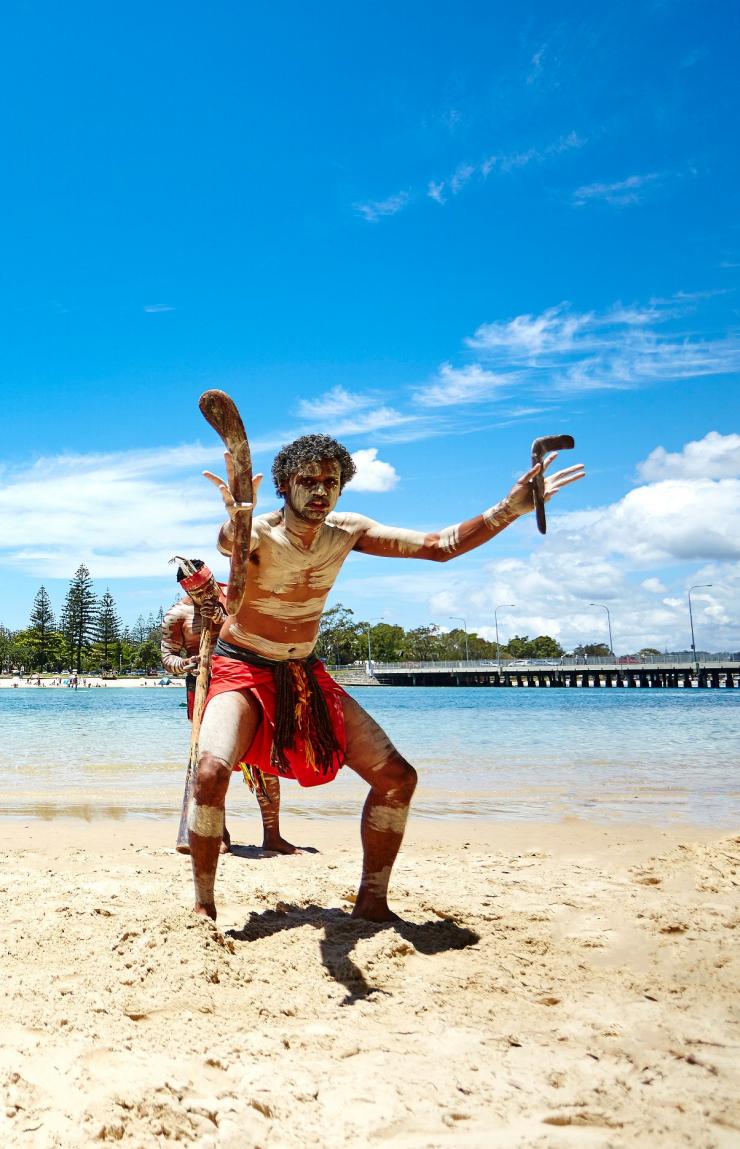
[{"x": 658, "y": 756}]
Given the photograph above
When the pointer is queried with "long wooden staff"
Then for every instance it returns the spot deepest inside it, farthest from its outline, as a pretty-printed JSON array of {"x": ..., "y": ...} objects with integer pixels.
[
  {"x": 209, "y": 629},
  {"x": 220, "y": 410}
]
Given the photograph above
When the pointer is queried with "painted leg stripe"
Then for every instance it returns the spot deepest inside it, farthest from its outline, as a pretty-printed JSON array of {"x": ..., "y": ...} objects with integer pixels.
[{"x": 206, "y": 821}]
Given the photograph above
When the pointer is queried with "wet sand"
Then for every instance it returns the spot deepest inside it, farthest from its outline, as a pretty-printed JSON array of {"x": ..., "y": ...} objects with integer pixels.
[{"x": 552, "y": 985}]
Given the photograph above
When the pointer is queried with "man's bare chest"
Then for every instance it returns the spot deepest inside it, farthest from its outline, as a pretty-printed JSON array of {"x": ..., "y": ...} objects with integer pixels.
[{"x": 279, "y": 566}]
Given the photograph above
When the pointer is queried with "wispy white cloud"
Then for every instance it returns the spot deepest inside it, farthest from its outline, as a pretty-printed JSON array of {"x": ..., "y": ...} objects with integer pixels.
[
  {"x": 504, "y": 163},
  {"x": 527, "y": 337},
  {"x": 338, "y": 401},
  {"x": 436, "y": 191},
  {"x": 536, "y": 65},
  {"x": 462, "y": 175},
  {"x": 620, "y": 193},
  {"x": 157, "y": 308},
  {"x": 440, "y": 190},
  {"x": 455, "y": 385},
  {"x": 346, "y": 413},
  {"x": 374, "y": 210},
  {"x": 123, "y": 514},
  {"x": 622, "y": 347},
  {"x": 379, "y": 418}
]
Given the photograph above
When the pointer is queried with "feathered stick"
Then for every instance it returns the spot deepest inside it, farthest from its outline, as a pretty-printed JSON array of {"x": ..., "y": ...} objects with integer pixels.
[{"x": 200, "y": 585}]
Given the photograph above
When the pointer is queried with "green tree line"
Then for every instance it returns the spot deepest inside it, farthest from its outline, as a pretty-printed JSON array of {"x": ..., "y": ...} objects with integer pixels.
[
  {"x": 87, "y": 635},
  {"x": 344, "y": 639}
]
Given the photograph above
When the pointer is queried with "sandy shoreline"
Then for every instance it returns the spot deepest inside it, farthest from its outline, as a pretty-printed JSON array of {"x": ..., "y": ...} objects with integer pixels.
[
  {"x": 91, "y": 681},
  {"x": 552, "y": 985}
]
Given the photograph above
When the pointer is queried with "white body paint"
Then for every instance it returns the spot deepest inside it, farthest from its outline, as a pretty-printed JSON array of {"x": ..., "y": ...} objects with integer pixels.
[
  {"x": 289, "y": 582},
  {"x": 206, "y": 821},
  {"x": 292, "y": 568},
  {"x": 227, "y": 728},
  {"x": 499, "y": 516},
  {"x": 377, "y": 883},
  {"x": 384, "y": 818},
  {"x": 277, "y": 651}
]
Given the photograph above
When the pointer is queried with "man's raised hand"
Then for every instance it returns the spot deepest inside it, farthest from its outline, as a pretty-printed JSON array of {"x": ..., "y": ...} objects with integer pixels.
[
  {"x": 520, "y": 496},
  {"x": 225, "y": 487}
]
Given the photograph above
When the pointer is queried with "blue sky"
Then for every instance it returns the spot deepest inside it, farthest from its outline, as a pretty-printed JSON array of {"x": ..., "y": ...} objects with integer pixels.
[{"x": 433, "y": 230}]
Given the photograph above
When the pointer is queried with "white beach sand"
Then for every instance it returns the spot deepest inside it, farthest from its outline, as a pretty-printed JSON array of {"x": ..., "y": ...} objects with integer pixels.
[
  {"x": 93, "y": 682},
  {"x": 555, "y": 985}
]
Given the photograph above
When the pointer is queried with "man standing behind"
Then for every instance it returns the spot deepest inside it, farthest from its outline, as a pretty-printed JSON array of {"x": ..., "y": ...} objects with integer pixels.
[
  {"x": 271, "y": 700},
  {"x": 181, "y": 629}
]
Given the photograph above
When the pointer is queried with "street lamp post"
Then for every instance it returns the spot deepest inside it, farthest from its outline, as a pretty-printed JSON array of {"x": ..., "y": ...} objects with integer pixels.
[
  {"x": 465, "y": 628},
  {"x": 368, "y": 626},
  {"x": 609, "y": 621},
  {"x": 501, "y": 606},
  {"x": 698, "y": 586}
]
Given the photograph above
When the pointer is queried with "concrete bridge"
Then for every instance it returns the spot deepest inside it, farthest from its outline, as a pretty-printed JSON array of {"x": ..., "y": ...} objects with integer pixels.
[{"x": 715, "y": 672}]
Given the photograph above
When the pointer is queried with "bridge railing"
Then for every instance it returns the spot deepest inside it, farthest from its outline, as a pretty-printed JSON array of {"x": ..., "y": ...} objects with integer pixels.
[{"x": 578, "y": 662}]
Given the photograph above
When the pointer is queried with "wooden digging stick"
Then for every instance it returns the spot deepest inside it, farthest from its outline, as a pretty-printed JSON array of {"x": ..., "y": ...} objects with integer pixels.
[
  {"x": 207, "y": 636},
  {"x": 220, "y": 411},
  {"x": 540, "y": 448}
]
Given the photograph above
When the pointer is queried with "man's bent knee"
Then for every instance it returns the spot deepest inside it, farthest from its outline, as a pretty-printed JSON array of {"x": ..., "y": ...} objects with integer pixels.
[
  {"x": 396, "y": 779},
  {"x": 211, "y": 781}
]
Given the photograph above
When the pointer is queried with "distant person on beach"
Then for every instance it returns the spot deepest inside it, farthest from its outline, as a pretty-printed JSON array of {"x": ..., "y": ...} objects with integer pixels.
[
  {"x": 271, "y": 700},
  {"x": 181, "y": 629}
]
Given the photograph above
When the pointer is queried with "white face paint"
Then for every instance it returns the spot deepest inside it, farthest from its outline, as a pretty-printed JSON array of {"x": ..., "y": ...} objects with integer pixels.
[{"x": 313, "y": 491}]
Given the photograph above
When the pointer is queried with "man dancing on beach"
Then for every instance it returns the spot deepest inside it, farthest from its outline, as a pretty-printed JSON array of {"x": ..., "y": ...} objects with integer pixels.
[
  {"x": 179, "y": 647},
  {"x": 271, "y": 702}
]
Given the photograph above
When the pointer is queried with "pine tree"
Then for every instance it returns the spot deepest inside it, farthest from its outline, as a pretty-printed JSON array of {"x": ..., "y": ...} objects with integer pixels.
[
  {"x": 41, "y": 626},
  {"x": 107, "y": 628},
  {"x": 140, "y": 631},
  {"x": 79, "y": 614}
]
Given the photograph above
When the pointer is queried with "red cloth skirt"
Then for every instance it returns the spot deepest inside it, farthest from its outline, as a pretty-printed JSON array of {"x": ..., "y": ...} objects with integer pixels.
[{"x": 232, "y": 674}]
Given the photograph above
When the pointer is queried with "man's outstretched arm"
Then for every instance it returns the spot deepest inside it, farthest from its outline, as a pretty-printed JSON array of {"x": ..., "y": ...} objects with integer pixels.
[{"x": 440, "y": 546}]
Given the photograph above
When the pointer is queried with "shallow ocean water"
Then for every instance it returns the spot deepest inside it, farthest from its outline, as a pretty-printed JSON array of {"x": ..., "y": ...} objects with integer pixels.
[{"x": 633, "y": 755}]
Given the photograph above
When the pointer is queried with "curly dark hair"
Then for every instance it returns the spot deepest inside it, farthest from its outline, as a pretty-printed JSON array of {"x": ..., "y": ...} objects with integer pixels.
[{"x": 311, "y": 449}]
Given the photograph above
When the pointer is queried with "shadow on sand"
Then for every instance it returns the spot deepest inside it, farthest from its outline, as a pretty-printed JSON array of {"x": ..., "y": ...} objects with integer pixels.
[
  {"x": 255, "y": 853},
  {"x": 341, "y": 934}
]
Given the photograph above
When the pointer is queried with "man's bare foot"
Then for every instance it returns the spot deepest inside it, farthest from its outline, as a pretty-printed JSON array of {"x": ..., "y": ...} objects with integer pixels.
[
  {"x": 183, "y": 848},
  {"x": 225, "y": 842},
  {"x": 276, "y": 844},
  {"x": 370, "y": 909},
  {"x": 205, "y": 910}
]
